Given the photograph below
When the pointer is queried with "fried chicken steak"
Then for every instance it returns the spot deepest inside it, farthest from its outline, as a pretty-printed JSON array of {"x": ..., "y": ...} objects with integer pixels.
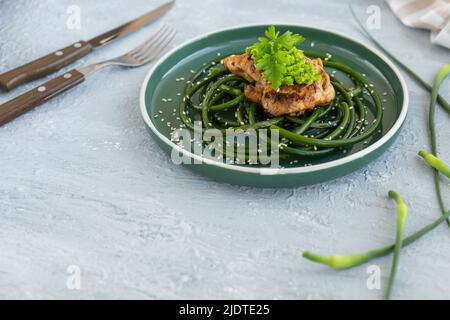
[{"x": 291, "y": 100}]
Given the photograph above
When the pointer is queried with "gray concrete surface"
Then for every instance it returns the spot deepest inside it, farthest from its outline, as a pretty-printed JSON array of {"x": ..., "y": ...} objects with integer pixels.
[{"x": 83, "y": 184}]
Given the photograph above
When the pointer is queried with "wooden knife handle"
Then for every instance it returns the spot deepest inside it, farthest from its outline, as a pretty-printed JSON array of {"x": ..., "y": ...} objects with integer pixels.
[
  {"x": 31, "y": 99},
  {"x": 44, "y": 66}
]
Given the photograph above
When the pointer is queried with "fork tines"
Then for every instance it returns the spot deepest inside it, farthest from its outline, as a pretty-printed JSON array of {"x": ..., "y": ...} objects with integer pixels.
[{"x": 153, "y": 46}]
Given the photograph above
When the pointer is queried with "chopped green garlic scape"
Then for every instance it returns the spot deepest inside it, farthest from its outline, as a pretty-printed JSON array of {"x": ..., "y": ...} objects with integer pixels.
[
  {"x": 440, "y": 77},
  {"x": 436, "y": 163},
  {"x": 408, "y": 70},
  {"x": 402, "y": 211},
  {"x": 348, "y": 261}
]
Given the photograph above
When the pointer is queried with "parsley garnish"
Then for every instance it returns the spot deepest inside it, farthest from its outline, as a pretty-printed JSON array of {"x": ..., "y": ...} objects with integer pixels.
[{"x": 280, "y": 61}]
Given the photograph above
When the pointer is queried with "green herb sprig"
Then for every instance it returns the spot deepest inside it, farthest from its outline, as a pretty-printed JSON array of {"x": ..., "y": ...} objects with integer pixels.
[{"x": 280, "y": 61}]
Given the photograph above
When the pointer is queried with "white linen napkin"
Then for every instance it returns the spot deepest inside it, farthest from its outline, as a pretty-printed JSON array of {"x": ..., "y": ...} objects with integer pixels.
[{"x": 433, "y": 15}]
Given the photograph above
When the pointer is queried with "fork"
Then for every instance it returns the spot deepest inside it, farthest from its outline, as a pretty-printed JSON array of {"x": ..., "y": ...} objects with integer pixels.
[{"x": 141, "y": 55}]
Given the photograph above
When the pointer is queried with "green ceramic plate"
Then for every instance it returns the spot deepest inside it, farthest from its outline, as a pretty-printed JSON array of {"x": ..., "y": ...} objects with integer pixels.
[{"x": 162, "y": 87}]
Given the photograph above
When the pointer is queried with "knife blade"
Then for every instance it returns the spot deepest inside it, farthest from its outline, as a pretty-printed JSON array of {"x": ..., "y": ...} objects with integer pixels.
[
  {"x": 61, "y": 58},
  {"x": 130, "y": 26}
]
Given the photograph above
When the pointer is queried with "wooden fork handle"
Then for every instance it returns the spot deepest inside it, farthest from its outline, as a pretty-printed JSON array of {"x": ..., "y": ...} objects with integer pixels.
[
  {"x": 33, "y": 98},
  {"x": 44, "y": 66}
]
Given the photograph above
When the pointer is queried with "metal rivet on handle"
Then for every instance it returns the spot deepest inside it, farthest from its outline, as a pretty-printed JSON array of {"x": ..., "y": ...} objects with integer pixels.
[
  {"x": 42, "y": 89},
  {"x": 59, "y": 53},
  {"x": 68, "y": 75},
  {"x": 77, "y": 45}
]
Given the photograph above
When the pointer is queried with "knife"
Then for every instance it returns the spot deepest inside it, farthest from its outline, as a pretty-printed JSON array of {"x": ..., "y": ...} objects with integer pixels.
[{"x": 61, "y": 58}]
